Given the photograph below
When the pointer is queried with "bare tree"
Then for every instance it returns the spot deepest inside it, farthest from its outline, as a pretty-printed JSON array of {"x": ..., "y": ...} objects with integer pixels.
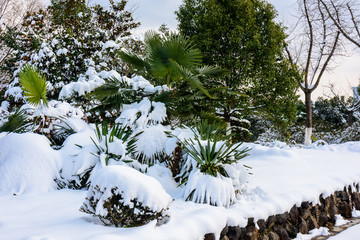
[
  {"x": 346, "y": 17},
  {"x": 316, "y": 43}
]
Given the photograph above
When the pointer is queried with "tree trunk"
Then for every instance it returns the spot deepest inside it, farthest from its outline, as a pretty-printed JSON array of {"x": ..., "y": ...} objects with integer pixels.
[
  {"x": 308, "y": 123},
  {"x": 351, "y": 118},
  {"x": 227, "y": 119}
]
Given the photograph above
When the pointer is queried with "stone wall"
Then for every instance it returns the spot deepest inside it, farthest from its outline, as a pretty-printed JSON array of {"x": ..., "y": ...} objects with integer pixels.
[{"x": 300, "y": 219}]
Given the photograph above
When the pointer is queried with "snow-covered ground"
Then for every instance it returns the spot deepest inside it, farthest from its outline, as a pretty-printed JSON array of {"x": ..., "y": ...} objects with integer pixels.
[{"x": 281, "y": 177}]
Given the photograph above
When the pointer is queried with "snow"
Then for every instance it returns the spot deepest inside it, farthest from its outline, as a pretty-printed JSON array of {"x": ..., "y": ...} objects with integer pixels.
[
  {"x": 27, "y": 164},
  {"x": 131, "y": 184},
  {"x": 201, "y": 188},
  {"x": 348, "y": 234},
  {"x": 339, "y": 220},
  {"x": 281, "y": 177},
  {"x": 322, "y": 231}
]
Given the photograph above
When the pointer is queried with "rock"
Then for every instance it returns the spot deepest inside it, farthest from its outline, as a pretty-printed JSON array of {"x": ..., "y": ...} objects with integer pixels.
[
  {"x": 264, "y": 237},
  {"x": 305, "y": 205},
  {"x": 305, "y": 213},
  {"x": 270, "y": 221},
  {"x": 303, "y": 229},
  {"x": 294, "y": 215},
  {"x": 283, "y": 234},
  {"x": 323, "y": 219},
  {"x": 224, "y": 238},
  {"x": 250, "y": 222},
  {"x": 224, "y": 231},
  {"x": 209, "y": 236},
  {"x": 345, "y": 209},
  {"x": 291, "y": 230},
  {"x": 261, "y": 224},
  {"x": 282, "y": 218},
  {"x": 251, "y": 233},
  {"x": 234, "y": 233},
  {"x": 273, "y": 236}
]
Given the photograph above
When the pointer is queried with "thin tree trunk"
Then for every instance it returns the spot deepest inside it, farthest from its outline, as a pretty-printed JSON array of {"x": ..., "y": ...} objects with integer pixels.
[
  {"x": 351, "y": 118},
  {"x": 308, "y": 123},
  {"x": 227, "y": 119}
]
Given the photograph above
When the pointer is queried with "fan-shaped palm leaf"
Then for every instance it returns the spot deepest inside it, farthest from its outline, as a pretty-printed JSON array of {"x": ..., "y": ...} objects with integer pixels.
[
  {"x": 33, "y": 84},
  {"x": 16, "y": 122}
]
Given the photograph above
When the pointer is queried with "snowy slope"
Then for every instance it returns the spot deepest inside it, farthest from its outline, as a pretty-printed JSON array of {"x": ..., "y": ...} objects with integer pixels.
[{"x": 281, "y": 177}]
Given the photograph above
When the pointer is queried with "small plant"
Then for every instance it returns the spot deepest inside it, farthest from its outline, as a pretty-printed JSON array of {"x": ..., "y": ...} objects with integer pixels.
[
  {"x": 210, "y": 173},
  {"x": 34, "y": 85},
  {"x": 115, "y": 143},
  {"x": 211, "y": 156},
  {"x": 17, "y": 122}
]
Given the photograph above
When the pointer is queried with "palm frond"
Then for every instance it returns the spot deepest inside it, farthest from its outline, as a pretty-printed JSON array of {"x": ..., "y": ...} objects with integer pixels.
[
  {"x": 113, "y": 94},
  {"x": 16, "y": 122},
  {"x": 188, "y": 76},
  {"x": 211, "y": 71},
  {"x": 34, "y": 85}
]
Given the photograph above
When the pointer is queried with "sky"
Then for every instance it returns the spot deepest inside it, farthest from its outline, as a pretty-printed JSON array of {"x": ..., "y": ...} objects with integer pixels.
[{"x": 152, "y": 13}]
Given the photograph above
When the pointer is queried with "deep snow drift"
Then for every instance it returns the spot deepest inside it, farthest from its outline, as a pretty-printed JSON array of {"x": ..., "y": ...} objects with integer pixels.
[{"x": 281, "y": 177}]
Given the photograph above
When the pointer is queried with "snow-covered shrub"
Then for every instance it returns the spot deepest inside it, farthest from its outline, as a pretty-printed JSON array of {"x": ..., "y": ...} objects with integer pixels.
[
  {"x": 68, "y": 38},
  {"x": 114, "y": 144},
  {"x": 212, "y": 158},
  {"x": 124, "y": 197},
  {"x": 145, "y": 118},
  {"x": 214, "y": 190},
  {"x": 49, "y": 120},
  {"x": 27, "y": 163}
]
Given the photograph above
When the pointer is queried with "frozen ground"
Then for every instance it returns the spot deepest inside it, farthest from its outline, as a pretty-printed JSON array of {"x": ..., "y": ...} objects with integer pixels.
[{"x": 281, "y": 177}]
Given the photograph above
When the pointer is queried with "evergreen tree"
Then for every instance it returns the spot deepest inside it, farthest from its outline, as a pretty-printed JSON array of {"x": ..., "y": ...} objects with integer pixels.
[{"x": 242, "y": 36}]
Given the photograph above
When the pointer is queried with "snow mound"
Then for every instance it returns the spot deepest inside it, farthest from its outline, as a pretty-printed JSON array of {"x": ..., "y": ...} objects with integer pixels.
[
  {"x": 202, "y": 188},
  {"x": 131, "y": 184},
  {"x": 27, "y": 164}
]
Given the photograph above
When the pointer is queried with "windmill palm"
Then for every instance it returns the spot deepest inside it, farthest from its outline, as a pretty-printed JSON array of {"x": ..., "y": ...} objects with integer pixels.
[
  {"x": 169, "y": 59},
  {"x": 34, "y": 85}
]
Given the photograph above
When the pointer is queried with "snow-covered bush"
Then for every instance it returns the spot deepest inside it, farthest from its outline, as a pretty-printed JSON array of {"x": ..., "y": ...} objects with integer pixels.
[
  {"x": 68, "y": 38},
  {"x": 27, "y": 163},
  {"x": 115, "y": 144},
  {"x": 214, "y": 190},
  {"x": 211, "y": 160},
  {"x": 145, "y": 117},
  {"x": 124, "y": 197}
]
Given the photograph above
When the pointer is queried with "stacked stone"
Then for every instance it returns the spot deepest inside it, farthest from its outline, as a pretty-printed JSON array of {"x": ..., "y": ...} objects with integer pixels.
[{"x": 300, "y": 219}]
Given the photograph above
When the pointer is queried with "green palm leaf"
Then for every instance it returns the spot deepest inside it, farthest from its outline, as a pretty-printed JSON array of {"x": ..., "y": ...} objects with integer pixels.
[{"x": 34, "y": 85}]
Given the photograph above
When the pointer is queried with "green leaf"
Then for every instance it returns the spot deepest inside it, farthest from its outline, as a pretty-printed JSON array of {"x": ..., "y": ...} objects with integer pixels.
[{"x": 34, "y": 85}]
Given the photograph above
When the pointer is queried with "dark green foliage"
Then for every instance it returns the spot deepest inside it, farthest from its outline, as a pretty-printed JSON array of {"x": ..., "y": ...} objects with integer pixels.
[
  {"x": 119, "y": 213},
  {"x": 62, "y": 131},
  {"x": 16, "y": 122},
  {"x": 242, "y": 36},
  {"x": 169, "y": 59},
  {"x": 205, "y": 130},
  {"x": 112, "y": 95},
  {"x": 330, "y": 111}
]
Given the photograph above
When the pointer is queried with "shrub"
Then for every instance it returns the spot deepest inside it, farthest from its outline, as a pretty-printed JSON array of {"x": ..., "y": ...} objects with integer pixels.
[
  {"x": 211, "y": 161},
  {"x": 124, "y": 197},
  {"x": 114, "y": 144}
]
